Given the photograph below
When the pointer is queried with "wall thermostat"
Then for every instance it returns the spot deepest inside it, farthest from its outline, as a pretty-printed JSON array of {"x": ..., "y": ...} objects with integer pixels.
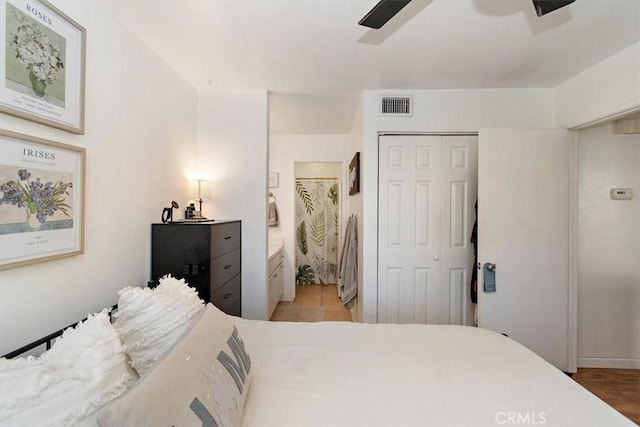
[{"x": 621, "y": 194}]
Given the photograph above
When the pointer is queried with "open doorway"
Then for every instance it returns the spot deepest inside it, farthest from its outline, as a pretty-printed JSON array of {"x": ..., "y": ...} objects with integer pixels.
[{"x": 318, "y": 220}]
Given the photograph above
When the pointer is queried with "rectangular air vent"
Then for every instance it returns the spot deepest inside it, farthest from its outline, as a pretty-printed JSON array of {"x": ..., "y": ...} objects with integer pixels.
[{"x": 396, "y": 106}]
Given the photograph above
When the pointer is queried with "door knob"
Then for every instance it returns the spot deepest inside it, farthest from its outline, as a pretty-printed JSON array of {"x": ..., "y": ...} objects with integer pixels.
[{"x": 436, "y": 258}]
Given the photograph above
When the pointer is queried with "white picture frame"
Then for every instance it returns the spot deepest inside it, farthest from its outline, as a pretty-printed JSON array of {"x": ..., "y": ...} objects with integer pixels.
[{"x": 274, "y": 179}]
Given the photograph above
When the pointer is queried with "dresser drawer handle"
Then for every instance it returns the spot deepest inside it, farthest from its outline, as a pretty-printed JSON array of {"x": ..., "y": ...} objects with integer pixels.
[
  {"x": 227, "y": 237},
  {"x": 226, "y": 267},
  {"x": 227, "y": 296}
]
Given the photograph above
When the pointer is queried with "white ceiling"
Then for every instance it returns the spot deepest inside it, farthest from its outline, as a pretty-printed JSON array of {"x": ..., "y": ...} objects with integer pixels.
[{"x": 315, "y": 60}]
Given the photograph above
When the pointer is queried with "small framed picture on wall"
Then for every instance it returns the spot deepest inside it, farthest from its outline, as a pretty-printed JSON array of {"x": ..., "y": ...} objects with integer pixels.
[
  {"x": 354, "y": 175},
  {"x": 274, "y": 179}
]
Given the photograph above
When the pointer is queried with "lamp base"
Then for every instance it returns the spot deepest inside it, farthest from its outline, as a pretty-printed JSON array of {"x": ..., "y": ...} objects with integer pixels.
[{"x": 198, "y": 220}]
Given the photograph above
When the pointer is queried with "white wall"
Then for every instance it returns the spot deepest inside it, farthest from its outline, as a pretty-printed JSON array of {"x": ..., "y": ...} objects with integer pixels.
[
  {"x": 609, "y": 250},
  {"x": 285, "y": 150},
  {"x": 434, "y": 111},
  {"x": 140, "y": 137},
  {"x": 233, "y": 151},
  {"x": 605, "y": 90},
  {"x": 318, "y": 169},
  {"x": 354, "y": 206}
]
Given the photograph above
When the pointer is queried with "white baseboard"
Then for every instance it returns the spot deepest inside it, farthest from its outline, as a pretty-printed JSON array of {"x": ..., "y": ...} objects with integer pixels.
[{"x": 604, "y": 362}]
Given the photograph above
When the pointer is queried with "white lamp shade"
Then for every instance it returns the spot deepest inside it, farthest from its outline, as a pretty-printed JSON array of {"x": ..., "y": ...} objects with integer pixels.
[{"x": 201, "y": 190}]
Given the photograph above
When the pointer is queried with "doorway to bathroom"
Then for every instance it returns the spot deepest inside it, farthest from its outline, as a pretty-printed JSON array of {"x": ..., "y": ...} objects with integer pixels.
[{"x": 317, "y": 222}]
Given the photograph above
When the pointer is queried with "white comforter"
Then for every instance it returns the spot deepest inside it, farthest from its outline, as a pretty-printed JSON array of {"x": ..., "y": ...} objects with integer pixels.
[{"x": 351, "y": 374}]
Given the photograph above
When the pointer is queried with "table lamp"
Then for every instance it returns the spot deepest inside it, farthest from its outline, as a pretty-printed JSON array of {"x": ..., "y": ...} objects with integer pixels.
[{"x": 200, "y": 193}]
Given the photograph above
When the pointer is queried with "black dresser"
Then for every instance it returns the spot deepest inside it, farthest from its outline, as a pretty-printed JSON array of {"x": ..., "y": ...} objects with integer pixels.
[{"x": 205, "y": 254}]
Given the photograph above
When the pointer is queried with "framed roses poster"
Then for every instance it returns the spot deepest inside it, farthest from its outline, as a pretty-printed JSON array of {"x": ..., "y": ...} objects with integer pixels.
[
  {"x": 41, "y": 199},
  {"x": 43, "y": 64}
]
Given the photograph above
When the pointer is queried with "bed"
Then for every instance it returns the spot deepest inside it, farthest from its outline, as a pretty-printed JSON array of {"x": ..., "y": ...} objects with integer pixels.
[{"x": 171, "y": 360}]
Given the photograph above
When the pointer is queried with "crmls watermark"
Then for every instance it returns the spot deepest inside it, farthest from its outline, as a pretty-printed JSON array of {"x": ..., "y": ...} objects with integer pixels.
[{"x": 521, "y": 418}]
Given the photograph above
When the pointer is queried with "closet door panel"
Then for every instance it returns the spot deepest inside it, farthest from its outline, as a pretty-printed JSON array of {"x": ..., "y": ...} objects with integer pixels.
[
  {"x": 409, "y": 229},
  {"x": 427, "y": 190}
]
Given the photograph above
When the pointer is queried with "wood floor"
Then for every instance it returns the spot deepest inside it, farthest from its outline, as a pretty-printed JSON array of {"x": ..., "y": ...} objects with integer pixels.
[
  {"x": 620, "y": 388},
  {"x": 323, "y": 298}
]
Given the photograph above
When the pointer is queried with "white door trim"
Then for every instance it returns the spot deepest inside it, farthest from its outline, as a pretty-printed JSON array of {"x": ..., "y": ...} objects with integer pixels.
[{"x": 412, "y": 133}]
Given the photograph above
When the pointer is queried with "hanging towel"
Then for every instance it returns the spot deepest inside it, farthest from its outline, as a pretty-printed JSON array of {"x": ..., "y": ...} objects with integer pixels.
[
  {"x": 273, "y": 211},
  {"x": 349, "y": 264}
]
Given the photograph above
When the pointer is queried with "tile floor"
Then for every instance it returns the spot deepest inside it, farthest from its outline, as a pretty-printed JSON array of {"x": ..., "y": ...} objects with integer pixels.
[{"x": 324, "y": 296}]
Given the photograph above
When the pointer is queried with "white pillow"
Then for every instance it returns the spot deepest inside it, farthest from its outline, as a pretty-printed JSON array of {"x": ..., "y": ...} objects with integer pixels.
[
  {"x": 204, "y": 380},
  {"x": 85, "y": 369},
  {"x": 151, "y": 321}
]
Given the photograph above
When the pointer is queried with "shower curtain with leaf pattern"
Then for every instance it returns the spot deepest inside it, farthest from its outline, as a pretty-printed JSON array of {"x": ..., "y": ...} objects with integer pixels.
[{"x": 317, "y": 240}]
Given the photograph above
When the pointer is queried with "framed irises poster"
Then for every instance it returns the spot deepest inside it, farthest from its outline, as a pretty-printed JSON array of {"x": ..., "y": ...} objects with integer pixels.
[
  {"x": 43, "y": 64},
  {"x": 42, "y": 186}
]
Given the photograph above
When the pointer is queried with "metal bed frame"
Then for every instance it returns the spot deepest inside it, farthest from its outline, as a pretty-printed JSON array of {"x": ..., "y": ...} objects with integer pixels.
[{"x": 49, "y": 339}]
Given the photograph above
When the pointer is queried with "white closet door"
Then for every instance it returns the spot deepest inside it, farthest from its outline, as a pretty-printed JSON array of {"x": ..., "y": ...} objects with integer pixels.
[
  {"x": 426, "y": 194},
  {"x": 459, "y": 181}
]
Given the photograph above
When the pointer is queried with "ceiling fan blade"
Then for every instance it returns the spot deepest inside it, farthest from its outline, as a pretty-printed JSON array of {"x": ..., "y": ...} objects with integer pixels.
[
  {"x": 382, "y": 12},
  {"x": 545, "y": 6}
]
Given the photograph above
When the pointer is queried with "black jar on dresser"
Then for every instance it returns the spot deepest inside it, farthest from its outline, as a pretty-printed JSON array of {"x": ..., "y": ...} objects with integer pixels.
[{"x": 206, "y": 254}]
